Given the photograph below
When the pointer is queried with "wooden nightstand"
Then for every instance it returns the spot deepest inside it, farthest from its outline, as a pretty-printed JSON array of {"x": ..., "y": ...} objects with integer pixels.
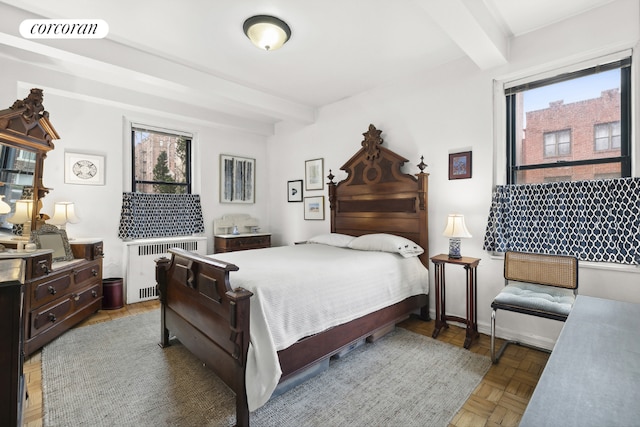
[
  {"x": 470, "y": 265},
  {"x": 240, "y": 242}
]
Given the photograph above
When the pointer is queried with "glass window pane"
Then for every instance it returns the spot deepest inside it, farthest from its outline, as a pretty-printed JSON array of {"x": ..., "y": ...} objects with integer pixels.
[
  {"x": 549, "y": 144},
  {"x": 615, "y": 142},
  {"x": 569, "y": 111},
  {"x": 602, "y": 144},
  {"x": 161, "y": 160},
  {"x": 569, "y": 173}
]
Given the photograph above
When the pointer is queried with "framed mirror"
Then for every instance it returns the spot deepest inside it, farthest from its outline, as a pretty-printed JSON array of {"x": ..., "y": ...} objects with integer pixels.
[
  {"x": 26, "y": 136},
  {"x": 51, "y": 237}
]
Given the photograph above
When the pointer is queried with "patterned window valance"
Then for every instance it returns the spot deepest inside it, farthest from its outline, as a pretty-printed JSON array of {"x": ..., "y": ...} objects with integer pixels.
[
  {"x": 146, "y": 216},
  {"x": 592, "y": 220}
]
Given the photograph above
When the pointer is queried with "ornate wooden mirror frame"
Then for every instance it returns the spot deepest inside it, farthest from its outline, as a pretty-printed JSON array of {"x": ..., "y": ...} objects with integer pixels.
[{"x": 25, "y": 125}]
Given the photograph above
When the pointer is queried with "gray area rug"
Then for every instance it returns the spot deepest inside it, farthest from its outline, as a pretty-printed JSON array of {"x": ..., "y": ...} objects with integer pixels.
[{"x": 115, "y": 374}]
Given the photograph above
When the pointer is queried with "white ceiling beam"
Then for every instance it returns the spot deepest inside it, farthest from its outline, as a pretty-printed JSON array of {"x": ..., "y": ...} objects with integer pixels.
[
  {"x": 204, "y": 90},
  {"x": 121, "y": 66},
  {"x": 470, "y": 25}
]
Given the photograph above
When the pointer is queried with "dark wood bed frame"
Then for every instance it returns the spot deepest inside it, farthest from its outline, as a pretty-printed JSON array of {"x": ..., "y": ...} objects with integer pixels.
[{"x": 201, "y": 308}]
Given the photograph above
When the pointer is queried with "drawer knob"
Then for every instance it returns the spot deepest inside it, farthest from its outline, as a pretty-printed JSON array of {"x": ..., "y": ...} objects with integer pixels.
[
  {"x": 52, "y": 290},
  {"x": 94, "y": 294},
  {"x": 94, "y": 272},
  {"x": 44, "y": 267},
  {"x": 52, "y": 317},
  {"x": 76, "y": 297}
]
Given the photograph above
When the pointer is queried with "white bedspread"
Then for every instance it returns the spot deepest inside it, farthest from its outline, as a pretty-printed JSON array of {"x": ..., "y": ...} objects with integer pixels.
[{"x": 305, "y": 289}]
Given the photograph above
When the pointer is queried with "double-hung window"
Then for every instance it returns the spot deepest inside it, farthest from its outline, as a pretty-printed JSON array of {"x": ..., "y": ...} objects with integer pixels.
[
  {"x": 571, "y": 127},
  {"x": 161, "y": 161}
]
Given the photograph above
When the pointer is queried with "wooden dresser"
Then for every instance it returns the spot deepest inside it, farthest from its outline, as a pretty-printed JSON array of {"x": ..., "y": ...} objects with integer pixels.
[
  {"x": 12, "y": 391},
  {"x": 59, "y": 295},
  {"x": 240, "y": 242}
]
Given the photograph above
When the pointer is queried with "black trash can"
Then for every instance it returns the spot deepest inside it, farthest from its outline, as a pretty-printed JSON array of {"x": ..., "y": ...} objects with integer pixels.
[{"x": 112, "y": 298}]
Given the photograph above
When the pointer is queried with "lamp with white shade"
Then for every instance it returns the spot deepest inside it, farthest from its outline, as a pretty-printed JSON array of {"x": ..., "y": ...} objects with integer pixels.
[
  {"x": 455, "y": 230},
  {"x": 63, "y": 213},
  {"x": 22, "y": 215},
  {"x": 5, "y": 207}
]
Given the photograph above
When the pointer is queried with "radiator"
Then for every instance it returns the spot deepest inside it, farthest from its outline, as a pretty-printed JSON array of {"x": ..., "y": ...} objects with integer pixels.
[{"x": 140, "y": 279}]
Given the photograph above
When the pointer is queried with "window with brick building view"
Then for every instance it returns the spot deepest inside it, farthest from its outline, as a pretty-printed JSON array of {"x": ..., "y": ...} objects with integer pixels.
[
  {"x": 571, "y": 127},
  {"x": 161, "y": 162}
]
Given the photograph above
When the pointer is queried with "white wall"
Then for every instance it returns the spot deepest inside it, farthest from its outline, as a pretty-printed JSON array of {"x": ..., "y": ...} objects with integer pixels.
[
  {"x": 95, "y": 125},
  {"x": 448, "y": 110}
]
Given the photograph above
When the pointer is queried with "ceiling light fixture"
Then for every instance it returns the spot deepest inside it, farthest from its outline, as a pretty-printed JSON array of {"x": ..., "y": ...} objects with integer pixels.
[{"x": 267, "y": 32}]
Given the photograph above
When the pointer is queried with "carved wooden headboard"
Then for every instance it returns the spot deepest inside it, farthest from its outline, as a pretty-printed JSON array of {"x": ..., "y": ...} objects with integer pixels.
[{"x": 376, "y": 197}]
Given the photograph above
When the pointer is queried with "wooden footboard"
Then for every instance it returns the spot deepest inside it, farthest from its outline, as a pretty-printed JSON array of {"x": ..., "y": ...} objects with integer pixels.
[{"x": 210, "y": 319}]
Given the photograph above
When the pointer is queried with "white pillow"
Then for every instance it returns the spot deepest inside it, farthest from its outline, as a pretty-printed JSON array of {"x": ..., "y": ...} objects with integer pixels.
[
  {"x": 332, "y": 239},
  {"x": 386, "y": 243}
]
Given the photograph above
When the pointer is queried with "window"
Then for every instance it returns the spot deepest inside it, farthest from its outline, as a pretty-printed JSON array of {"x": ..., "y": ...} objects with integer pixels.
[
  {"x": 557, "y": 144},
  {"x": 607, "y": 136},
  {"x": 161, "y": 161},
  {"x": 574, "y": 126}
]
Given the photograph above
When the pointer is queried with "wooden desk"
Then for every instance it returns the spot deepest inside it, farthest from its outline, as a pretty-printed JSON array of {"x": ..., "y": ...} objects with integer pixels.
[
  {"x": 470, "y": 265},
  {"x": 593, "y": 374}
]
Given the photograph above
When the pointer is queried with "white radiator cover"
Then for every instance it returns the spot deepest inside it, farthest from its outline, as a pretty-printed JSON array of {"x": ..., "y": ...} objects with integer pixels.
[{"x": 140, "y": 255}]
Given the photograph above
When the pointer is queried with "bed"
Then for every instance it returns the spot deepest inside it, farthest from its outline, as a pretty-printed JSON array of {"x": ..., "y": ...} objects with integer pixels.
[{"x": 207, "y": 301}]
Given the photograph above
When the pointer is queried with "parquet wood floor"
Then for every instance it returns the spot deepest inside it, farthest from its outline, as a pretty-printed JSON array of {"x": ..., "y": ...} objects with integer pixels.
[{"x": 499, "y": 400}]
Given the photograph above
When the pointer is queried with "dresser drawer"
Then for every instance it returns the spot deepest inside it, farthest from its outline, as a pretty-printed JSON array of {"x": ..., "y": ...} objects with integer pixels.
[
  {"x": 38, "y": 266},
  {"x": 50, "y": 289},
  {"x": 240, "y": 243},
  {"x": 89, "y": 251},
  {"x": 87, "y": 296},
  {"x": 82, "y": 275},
  {"x": 47, "y": 316}
]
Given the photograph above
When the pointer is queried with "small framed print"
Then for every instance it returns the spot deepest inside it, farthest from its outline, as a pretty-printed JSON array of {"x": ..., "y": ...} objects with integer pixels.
[
  {"x": 237, "y": 179},
  {"x": 314, "y": 174},
  {"x": 460, "y": 165},
  {"x": 314, "y": 207},
  {"x": 87, "y": 169},
  {"x": 294, "y": 191}
]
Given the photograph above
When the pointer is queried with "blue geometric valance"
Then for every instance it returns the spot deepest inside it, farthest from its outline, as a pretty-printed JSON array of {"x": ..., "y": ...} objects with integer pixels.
[
  {"x": 592, "y": 220},
  {"x": 147, "y": 216}
]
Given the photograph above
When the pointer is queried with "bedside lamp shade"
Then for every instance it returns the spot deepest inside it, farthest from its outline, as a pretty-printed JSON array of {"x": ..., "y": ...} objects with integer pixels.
[
  {"x": 22, "y": 215},
  {"x": 63, "y": 213},
  {"x": 455, "y": 230},
  {"x": 5, "y": 207}
]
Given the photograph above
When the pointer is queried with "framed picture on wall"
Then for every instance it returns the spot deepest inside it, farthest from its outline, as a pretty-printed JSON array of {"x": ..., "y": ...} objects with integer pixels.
[
  {"x": 314, "y": 174},
  {"x": 294, "y": 191},
  {"x": 460, "y": 165},
  {"x": 237, "y": 179},
  {"x": 314, "y": 207},
  {"x": 87, "y": 169}
]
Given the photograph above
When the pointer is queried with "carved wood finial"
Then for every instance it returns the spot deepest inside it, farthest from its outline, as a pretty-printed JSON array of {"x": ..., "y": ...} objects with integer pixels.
[
  {"x": 330, "y": 177},
  {"x": 33, "y": 106},
  {"x": 422, "y": 165},
  {"x": 372, "y": 142}
]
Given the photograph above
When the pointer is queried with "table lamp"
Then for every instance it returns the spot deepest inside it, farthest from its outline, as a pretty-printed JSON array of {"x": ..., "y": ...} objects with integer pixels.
[
  {"x": 455, "y": 230},
  {"x": 22, "y": 215},
  {"x": 63, "y": 213},
  {"x": 5, "y": 207}
]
